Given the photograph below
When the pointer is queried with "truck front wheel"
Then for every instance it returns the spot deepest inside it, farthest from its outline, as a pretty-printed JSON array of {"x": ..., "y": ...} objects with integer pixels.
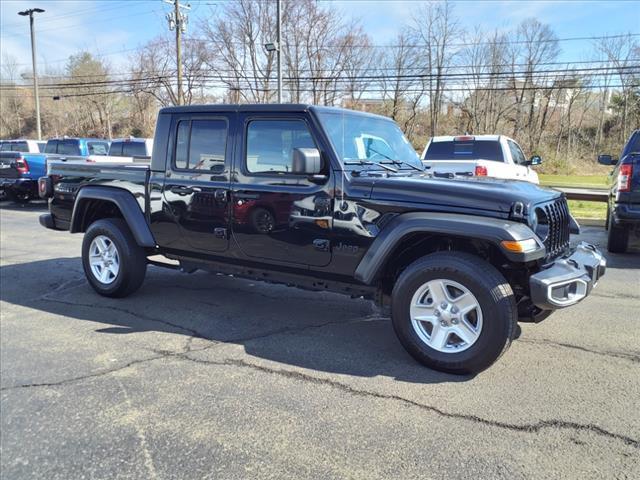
[
  {"x": 113, "y": 262},
  {"x": 454, "y": 312}
]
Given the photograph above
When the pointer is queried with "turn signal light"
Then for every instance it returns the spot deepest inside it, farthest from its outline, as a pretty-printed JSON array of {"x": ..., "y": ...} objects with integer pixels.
[{"x": 520, "y": 246}]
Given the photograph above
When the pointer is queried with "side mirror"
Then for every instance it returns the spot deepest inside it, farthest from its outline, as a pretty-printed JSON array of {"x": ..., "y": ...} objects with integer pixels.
[
  {"x": 535, "y": 160},
  {"x": 605, "y": 159},
  {"x": 306, "y": 161}
]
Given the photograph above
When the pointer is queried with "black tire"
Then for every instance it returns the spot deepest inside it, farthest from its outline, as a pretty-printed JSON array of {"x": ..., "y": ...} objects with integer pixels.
[
  {"x": 132, "y": 258},
  {"x": 617, "y": 237},
  {"x": 263, "y": 220},
  {"x": 21, "y": 197},
  {"x": 493, "y": 294}
]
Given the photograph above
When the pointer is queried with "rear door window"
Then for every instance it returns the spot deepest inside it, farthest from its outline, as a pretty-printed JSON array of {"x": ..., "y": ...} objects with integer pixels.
[
  {"x": 200, "y": 144},
  {"x": 465, "y": 150}
]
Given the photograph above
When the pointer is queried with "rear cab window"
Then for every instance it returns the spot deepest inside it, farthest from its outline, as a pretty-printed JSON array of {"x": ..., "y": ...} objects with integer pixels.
[
  {"x": 465, "y": 150},
  {"x": 68, "y": 147},
  {"x": 15, "y": 147},
  {"x": 51, "y": 146},
  {"x": 134, "y": 149},
  {"x": 98, "y": 148},
  {"x": 115, "y": 149}
]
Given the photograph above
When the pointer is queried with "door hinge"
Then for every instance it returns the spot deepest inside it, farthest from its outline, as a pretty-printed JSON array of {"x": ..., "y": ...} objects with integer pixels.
[
  {"x": 321, "y": 244},
  {"x": 220, "y": 232}
]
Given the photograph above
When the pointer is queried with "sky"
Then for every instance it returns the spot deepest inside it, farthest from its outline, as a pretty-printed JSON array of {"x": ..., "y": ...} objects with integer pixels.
[{"x": 111, "y": 29}]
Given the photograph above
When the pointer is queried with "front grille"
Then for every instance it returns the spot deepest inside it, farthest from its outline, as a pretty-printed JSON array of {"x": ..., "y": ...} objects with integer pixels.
[{"x": 556, "y": 217}]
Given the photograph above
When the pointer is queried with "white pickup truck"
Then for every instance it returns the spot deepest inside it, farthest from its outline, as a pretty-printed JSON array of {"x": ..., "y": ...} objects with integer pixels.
[{"x": 479, "y": 155}]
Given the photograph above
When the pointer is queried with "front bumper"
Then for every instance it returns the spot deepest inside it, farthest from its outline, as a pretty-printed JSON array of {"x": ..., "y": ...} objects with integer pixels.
[{"x": 568, "y": 280}]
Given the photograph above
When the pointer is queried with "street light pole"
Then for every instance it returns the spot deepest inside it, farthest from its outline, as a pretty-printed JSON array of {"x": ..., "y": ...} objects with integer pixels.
[
  {"x": 30, "y": 13},
  {"x": 279, "y": 52}
]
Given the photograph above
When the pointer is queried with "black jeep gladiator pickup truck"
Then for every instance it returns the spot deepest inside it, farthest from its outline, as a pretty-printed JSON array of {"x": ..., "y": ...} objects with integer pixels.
[{"x": 330, "y": 199}]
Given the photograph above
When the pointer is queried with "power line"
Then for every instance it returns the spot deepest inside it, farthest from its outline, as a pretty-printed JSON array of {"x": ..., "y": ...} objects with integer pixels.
[
  {"x": 372, "y": 69},
  {"x": 469, "y": 44},
  {"x": 547, "y": 74}
]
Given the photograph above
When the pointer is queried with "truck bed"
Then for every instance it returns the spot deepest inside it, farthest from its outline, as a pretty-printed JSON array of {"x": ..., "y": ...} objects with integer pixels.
[{"x": 69, "y": 177}]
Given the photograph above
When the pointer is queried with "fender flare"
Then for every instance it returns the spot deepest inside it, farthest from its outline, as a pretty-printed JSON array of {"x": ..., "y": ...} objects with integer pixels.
[
  {"x": 493, "y": 230},
  {"x": 127, "y": 205}
]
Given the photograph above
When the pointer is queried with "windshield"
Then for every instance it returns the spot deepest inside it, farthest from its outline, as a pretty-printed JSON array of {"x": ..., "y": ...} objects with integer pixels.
[{"x": 363, "y": 138}]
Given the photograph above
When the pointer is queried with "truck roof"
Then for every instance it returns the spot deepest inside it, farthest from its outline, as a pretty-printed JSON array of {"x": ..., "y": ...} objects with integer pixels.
[{"x": 263, "y": 107}]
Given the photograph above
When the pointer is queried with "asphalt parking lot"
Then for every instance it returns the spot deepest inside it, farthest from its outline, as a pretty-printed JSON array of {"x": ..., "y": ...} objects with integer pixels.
[{"x": 202, "y": 376}]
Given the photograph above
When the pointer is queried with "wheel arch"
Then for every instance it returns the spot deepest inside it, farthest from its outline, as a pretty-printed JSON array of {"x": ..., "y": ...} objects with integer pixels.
[
  {"x": 94, "y": 203},
  {"x": 411, "y": 235}
]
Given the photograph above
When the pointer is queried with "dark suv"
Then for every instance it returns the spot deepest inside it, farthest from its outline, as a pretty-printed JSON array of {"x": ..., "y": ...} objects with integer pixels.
[
  {"x": 623, "y": 208},
  {"x": 330, "y": 199}
]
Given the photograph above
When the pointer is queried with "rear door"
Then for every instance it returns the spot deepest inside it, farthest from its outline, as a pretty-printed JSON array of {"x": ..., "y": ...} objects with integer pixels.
[{"x": 196, "y": 188}]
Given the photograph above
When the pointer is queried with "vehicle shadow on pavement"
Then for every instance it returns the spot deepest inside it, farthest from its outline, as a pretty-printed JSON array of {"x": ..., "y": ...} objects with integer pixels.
[{"x": 312, "y": 330}]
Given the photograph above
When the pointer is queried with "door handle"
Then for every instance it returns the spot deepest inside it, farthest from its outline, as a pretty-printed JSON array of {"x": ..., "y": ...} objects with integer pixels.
[
  {"x": 180, "y": 190},
  {"x": 221, "y": 195},
  {"x": 246, "y": 196}
]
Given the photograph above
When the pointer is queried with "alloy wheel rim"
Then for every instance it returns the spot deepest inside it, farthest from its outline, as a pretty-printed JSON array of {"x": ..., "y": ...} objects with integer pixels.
[
  {"x": 446, "y": 316},
  {"x": 104, "y": 259}
]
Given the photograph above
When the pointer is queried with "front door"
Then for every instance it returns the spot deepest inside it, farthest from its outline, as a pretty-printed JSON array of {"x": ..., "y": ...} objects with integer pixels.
[
  {"x": 196, "y": 190},
  {"x": 279, "y": 216}
]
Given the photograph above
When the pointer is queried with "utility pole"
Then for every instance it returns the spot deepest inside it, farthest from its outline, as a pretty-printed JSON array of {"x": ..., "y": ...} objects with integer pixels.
[
  {"x": 30, "y": 13},
  {"x": 179, "y": 21},
  {"x": 279, "y": 33}
]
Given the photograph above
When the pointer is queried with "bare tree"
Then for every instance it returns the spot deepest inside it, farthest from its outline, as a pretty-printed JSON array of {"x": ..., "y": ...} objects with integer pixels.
[
  {"x": 622, "y": 53},
  {"x": 435, "y": 28},
  {"x": 531, "y": 46}
]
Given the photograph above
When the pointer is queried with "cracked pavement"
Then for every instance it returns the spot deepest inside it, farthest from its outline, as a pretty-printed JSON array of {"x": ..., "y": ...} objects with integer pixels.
[{"x": 204, "y": 376}]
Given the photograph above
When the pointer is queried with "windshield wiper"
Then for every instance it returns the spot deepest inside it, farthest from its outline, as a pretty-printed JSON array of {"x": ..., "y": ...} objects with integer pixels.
[
  {"x": 370, "y": 163},
  {"x": 403, "y": 162}
]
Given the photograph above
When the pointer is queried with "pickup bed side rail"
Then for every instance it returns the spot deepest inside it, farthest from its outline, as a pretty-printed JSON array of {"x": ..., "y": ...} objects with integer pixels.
[
  {"x": 492, "y": 230},
  {"x": 125, "y": 202}
]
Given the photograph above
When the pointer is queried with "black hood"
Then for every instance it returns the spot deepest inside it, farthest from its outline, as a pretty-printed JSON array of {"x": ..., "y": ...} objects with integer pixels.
[{"x": 476, "y": 193}]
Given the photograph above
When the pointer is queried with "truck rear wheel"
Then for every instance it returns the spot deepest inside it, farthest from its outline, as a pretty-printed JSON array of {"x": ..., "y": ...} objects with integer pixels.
[
  {"x": 18, "y": 196},
  {"x": 113, "y": 262},
  {"x": 618, "y": 237},
  {"x": 454, "y": 312}
]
